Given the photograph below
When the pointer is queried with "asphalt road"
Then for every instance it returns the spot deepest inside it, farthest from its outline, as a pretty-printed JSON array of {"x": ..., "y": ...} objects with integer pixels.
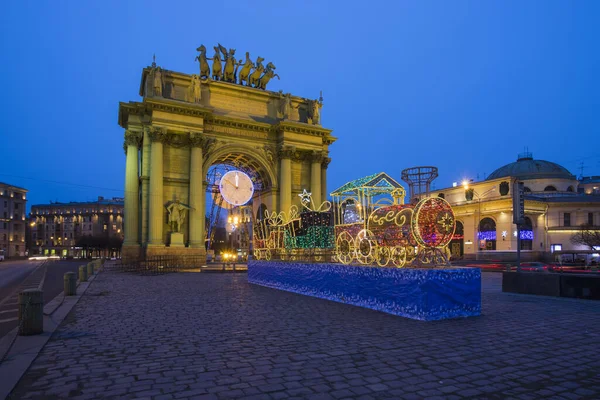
[{"x": 19, "y": 275}]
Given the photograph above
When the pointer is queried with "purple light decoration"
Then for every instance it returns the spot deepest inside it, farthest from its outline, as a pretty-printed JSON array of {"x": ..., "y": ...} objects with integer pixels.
[
  {"x": 526, "y": 235},
  {"x": 486, "y": 235}
]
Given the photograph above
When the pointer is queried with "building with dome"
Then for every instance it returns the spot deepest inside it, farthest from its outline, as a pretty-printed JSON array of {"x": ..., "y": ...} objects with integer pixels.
[{"x": 556, "y": 205}]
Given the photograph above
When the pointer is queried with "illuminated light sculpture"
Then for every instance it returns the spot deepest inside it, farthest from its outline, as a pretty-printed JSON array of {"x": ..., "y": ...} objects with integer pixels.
[{"x": 388, "y": 231}]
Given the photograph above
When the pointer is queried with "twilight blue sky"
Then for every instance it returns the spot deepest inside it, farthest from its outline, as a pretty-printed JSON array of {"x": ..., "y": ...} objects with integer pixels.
[{"x": 462, "y": 85}]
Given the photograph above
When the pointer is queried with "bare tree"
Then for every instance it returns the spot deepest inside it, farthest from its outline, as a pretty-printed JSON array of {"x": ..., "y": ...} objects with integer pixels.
[{"x": 587, "y": 236}]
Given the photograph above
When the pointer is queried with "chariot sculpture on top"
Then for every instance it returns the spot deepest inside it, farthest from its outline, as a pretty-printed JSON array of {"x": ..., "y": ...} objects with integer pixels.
[{"x": 225, "y": 68}]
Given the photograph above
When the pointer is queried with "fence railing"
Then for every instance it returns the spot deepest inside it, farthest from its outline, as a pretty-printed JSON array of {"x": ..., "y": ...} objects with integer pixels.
[{"x": 158, "y": 265}]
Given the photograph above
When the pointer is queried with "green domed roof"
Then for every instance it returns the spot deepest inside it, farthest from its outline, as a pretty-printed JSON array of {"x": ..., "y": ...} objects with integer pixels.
[{"x": 527, "y": 168}]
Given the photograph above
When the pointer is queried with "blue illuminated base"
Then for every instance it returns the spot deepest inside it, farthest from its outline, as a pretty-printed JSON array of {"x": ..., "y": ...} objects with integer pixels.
[{"x": 423, "y": 294}]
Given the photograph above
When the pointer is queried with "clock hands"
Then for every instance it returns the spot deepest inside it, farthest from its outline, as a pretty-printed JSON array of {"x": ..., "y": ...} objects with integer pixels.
[{"x": 237, "y": 180}]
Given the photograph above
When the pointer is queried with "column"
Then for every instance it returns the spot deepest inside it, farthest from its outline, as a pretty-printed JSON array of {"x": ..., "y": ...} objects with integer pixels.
[
  {"x": 131, "y": 206},
  {"x": 145, "y": 178},
  {"x": 285, "y": 181},
  {"x": 324, "y": 165},
  {"x": 197, "y": 194},
  {"x": 315, "y": 178},
  {"x": 155, "y": 234}
]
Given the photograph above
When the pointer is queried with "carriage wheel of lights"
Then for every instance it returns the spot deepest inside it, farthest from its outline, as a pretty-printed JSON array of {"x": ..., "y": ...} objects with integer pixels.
[
  {"x": 383, "y": 256},
  {"x": 344, "y": 245},
  {"x": 433, "y": 225},
  {"x": 366, "y": 247},
  {"x": 398, "y": 256}
]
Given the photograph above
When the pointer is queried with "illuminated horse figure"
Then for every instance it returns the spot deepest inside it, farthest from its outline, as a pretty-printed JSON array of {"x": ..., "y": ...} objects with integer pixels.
[
  {"x": 245, "y": 72},
  {"x": 231, "y": 65},
  {"x": 255, "y": 75},
  {"x": 269, "y": 74},
  {"x": 204, "y": 68},
  {"x": 217, "y": 69}
]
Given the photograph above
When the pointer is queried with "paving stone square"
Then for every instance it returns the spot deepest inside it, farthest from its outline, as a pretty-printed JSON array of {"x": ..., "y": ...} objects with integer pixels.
[{"x": 214, "y": 336}]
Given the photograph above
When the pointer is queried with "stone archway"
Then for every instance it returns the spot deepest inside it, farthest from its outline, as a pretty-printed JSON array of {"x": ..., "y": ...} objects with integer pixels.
[{"x": 171, "y": 140}]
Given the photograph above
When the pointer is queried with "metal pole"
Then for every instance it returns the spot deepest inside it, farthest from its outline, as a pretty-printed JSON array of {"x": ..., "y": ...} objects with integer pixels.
[{"x": 518, "y": 248}]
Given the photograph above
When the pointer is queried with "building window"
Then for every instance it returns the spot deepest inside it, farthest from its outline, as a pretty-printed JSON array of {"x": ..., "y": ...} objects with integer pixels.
[
  {"x": 16, "y": 206},
  {"x": 4, "y": 225},
  {"x": 591, "y": 219},
  {"x": 5, "y": 203},
  {"x": 567, "y": 219},
  {"x": 570, "y": 189},
  {"x": 16, "y": 238},
  {"x": 114, "y": 227},
  {"x": 526, "y": 189},
  {"x": 105, "y": 227},
  {"x": 550, "y": 189}
]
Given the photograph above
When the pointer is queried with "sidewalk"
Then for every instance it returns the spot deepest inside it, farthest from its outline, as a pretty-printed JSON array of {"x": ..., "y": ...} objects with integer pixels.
[{"x": 215, "y": 336}]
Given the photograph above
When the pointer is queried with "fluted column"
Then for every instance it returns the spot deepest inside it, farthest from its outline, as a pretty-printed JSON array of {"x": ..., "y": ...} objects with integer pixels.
[
  {"x": 197, "y": 195},
  {"x": 131, "y": 206},
  {"x": 315, "y": 178},
  {"x": 155, "y": 228},
  {"x": 285, "y": 179},
  {"x": 324, "y": 166}
]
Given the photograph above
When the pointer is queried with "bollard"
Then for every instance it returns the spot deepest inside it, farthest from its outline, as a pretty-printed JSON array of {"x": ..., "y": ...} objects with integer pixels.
[
  {"x": 90, "y": 269},
  {"x": 70, "y": 284},
  {"x": 31, "y": 312},
  {"x": 82, "y": 273}
]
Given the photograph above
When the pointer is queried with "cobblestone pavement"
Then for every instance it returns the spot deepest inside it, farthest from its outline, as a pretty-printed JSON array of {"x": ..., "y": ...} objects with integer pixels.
[{"x": 214, "y": 336}]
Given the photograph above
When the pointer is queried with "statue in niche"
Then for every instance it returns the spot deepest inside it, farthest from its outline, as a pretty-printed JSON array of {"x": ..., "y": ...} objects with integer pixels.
[
  {"x": 157, "y": 81},
  {"x": 201, "y": 58},
  {"x": 269, "y": 74},
  {"x": 255, "y": 75},
  {"x": 194, "y": 90},
  {"x": 217, "y": 69},
  {"x": 245, "y": 72},
  {"x": 177, "y": 212},
  {"x": 285, "y": 104}
]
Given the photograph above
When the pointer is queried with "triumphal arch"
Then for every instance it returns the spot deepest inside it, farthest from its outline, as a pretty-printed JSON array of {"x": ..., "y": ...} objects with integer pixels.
[{"x": 185, "y": 123}]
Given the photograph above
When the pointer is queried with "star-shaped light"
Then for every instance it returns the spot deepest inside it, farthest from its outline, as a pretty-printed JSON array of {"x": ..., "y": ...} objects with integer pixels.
[
  {"x": 305, "y": 197},
  {"x": 447, "y": 222}
]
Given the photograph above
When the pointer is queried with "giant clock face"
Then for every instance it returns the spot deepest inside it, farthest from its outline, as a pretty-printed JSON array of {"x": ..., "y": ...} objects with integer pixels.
[{"x": 236, "y": 188}]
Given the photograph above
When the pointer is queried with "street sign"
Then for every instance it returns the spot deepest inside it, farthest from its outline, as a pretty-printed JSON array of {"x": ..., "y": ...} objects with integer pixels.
[{"x": 518, "y": 203}]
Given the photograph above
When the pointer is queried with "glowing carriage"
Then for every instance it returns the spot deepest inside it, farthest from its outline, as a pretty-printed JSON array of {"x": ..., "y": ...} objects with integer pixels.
[
  {"x": 373, "y": 225},
  {"x": 370, "y": 225}
]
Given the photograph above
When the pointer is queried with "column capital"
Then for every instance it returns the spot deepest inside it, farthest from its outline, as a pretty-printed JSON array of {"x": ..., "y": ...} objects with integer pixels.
[
  {"x": 325, "y": 162},
  {"x": 197, "y": 139},
  {"x": 157, "y": 134},
  {"x": 132, "y": 138},
  {"x": 316, "y": 156},
  {"x": 286, "y": 152}
]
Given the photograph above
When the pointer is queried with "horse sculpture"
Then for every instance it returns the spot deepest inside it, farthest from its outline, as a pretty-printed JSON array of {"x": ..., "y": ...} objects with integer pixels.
[
  {"x": 217, "y": 72},
  {"x": 245, "y": 72},
  {"x": 230, "y": 64},
  {"x": 255, "y": 75},
  {"x": 269, "y": 74},
  {"x": 201, "y": 58}
]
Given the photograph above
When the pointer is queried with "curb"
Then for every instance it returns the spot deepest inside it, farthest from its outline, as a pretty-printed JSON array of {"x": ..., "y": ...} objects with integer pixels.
[{"x": 25, "y": 349}]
